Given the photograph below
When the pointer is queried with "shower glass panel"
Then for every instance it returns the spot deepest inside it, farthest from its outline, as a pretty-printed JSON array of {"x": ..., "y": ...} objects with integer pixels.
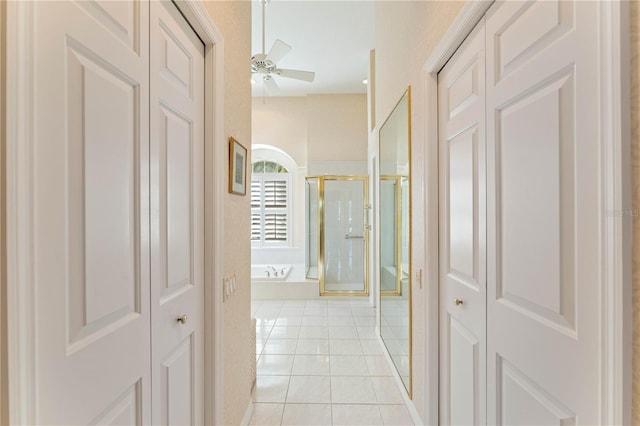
[
  {"x": 344, "y": 240},
  {"x": 313, "y": 242},
  {"x": 337, "y": 234}
]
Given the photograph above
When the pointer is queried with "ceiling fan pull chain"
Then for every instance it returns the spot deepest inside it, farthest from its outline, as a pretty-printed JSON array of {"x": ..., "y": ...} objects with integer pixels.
[{"x": 264, "y": 3}]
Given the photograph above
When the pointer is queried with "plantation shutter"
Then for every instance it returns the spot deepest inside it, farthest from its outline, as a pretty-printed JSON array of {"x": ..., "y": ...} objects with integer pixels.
[
  {"x": 275, "y": 210},
  {"x": 256, "y": 210},
  {"x": 270, "y": 209}
]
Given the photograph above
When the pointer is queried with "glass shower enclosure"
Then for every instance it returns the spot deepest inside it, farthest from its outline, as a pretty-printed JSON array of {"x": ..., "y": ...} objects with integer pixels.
[{"x": 337, "y": 234}]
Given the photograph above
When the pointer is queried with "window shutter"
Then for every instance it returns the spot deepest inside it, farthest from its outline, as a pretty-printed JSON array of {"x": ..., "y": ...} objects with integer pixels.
[
  {"x": 269, "y": 207},
  {"x": 256, "y": 226},
  {"x": 256, "y": 194},
  {"x": 256, "y": 216},
  {"x": 275, "y": 204},
  {"x": 275, "y": 227},
  {"x": 275, "y": 194}
]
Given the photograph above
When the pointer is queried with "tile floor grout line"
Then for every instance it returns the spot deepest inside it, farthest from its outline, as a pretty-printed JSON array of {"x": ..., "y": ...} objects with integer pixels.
[
  {"x": 362, "y": 354},
  {"x": 284, "y": 405}
]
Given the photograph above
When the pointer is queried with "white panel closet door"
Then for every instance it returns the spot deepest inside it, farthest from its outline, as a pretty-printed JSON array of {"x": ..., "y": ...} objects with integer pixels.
[
  {"x": 544, "y": 278},
  {"x": 91, "y": 216},
  {"x": 462, "y": 230},
  {"x": 177, "y": 224}
]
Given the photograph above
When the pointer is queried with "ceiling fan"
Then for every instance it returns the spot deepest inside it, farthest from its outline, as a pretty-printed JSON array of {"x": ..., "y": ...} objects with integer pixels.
[{"x": 266, "y": 66}]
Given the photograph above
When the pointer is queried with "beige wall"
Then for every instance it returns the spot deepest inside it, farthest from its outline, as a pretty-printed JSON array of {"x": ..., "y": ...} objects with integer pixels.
[
  {"x": 281, "y": 122},
  {"x": 3, "y": 269},
  {"x": 233, "y": 19},
  {"x": 313, "y": 128},
  {"x": 337, "y": 128},
  {"x": 406, "y": 33},
  {"x": 635, "y": 170}
]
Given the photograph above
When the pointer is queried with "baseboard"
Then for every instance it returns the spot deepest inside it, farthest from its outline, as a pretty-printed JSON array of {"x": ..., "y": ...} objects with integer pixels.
[{"x": 247, "y": 414}]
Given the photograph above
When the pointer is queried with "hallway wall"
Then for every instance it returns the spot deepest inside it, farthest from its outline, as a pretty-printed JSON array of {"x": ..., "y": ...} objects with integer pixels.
[
  {"x": 406, "y": 34},
  {"x": 233, "y": 19},
  {"x": 3, "y": 227},
  {"x": 635, "y": 170}
]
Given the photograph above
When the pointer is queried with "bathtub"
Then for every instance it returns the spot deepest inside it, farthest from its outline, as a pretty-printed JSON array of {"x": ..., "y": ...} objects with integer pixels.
[
  {"x": 266, "y": 272},
  {"x": 293, "y": 285}
]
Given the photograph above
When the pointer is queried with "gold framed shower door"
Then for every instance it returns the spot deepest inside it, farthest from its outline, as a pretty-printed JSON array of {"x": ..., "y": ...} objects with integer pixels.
[{"x": 321, "y": 234}]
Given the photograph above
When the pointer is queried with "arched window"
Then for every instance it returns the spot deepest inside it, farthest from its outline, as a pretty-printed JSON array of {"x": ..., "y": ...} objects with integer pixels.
[
  {"x": 270, "y": 191},
  {"x": 264, "y": 166}
]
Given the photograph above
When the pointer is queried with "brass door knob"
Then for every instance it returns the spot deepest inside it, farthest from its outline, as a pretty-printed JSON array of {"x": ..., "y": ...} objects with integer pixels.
[
  {"x": 458, "y": 302},
  {"x": 182, "y": 319}
]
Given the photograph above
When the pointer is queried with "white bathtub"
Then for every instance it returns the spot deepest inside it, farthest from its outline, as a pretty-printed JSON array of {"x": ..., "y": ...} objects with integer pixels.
[
  {"x": 270, "y": 272},
  {"x": 293, "y": 285}
]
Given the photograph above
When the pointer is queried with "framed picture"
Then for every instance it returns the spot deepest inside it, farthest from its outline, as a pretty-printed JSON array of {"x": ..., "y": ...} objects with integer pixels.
[{"x": 237, "y": 167}]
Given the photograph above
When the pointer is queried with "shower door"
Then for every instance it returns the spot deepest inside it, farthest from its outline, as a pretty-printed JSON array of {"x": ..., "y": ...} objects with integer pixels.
[{"x": 344, "y": 236}]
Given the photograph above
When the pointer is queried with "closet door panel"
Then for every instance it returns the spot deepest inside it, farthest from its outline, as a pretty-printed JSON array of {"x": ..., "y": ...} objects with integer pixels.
[
  {"x": 464, "y": 374},
  {"x": 90, "y": 190},
  {"x": 462, "y": 230},
  {"x": 177, "y": 224},
  {"x": 543, "y": 213}
]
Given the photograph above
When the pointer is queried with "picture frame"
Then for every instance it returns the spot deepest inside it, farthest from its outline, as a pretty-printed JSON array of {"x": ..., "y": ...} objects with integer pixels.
[{"x": 237, "y": 167}]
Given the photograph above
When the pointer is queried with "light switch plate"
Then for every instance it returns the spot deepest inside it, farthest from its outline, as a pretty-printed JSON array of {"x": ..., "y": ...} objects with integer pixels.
[{"x": 228, "y": 286}]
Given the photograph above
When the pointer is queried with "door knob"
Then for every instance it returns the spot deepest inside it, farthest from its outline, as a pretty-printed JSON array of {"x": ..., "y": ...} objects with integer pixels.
[
  {"x": 458, "y": 302},
  {"x": 182, "y": 319}
]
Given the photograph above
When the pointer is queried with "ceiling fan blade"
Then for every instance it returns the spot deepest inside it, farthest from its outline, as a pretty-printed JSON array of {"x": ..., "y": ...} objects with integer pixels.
[
  {"x": 278, "y": 51},
  {"x": 271, "y": 85},
  {"x": 297, "y": 74}
]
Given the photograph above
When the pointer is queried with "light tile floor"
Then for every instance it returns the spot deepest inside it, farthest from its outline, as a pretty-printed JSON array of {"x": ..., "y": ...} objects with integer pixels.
[{"x": 320, "y": 363}]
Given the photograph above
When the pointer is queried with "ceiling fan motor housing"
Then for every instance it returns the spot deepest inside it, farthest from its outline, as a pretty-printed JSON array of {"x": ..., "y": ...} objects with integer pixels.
[{"x": 261, "y": 65}]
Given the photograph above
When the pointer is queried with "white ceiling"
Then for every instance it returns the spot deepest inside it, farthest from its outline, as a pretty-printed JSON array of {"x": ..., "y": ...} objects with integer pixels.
[{"x": 332, "y": 38}]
